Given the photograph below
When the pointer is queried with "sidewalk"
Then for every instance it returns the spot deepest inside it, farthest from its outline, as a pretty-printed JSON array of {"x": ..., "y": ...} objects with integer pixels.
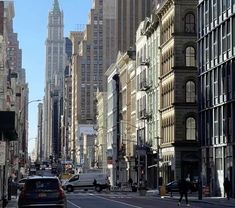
[
  {"x": 224, "y": 202},
  {"x": 12, "y": 203}
]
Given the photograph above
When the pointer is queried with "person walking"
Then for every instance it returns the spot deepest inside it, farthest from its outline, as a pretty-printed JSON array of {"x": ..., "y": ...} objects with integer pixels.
[
  {"x": 130, "y": 181},
  {"x": 227, "y": 187},
  {"x": 183, "y": 190}
]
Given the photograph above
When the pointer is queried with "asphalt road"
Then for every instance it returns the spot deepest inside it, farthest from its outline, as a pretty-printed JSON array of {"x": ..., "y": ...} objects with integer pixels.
[
  {"x": 121, "y": 200},
  {"x": 79, "y": 199}
]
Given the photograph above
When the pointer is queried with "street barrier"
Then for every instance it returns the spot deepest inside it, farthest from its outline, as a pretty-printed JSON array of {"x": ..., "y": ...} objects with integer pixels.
[
  {"x": 162, "y": 191},
  {"x": 206, "y": 190}
]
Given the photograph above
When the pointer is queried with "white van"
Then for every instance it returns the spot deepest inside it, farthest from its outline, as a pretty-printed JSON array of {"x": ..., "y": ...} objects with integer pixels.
[{"x": 85, "y": 181}]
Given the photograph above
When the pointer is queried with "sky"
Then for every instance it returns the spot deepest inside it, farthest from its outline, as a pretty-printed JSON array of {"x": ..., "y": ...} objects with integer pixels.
[{"x": 30, "y": 23}]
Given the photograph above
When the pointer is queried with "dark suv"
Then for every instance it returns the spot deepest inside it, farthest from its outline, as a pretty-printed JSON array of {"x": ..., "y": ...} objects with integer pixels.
[
  {"x": 173, "y": 186},
  {"x": 42, "y": 191}
]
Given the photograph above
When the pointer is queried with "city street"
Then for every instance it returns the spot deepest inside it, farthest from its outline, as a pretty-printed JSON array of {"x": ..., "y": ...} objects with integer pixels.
[
  {"x": 92, "y": 199},
  {"x": 121, "y": 200}
]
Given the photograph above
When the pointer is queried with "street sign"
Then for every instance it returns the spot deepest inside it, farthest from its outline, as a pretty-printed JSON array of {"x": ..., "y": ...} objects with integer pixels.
[{"x": 2, "y": 153}]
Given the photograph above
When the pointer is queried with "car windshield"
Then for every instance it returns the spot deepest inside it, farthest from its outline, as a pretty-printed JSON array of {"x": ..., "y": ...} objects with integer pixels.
[{"x": 39, "y": 184}]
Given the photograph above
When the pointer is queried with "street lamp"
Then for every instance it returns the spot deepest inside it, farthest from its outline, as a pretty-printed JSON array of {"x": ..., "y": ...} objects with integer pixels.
[{"x": 22, "y": 130}]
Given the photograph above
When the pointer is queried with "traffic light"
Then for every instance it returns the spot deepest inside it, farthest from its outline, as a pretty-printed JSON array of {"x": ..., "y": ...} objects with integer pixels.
[
  {"x": 142, "y": 171},
  {"x": 142, "y": 166}
]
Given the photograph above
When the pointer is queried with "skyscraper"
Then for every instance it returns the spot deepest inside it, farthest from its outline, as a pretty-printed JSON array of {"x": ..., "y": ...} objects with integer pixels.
[
  {"x": 129, "y": 14},
  {"x": 53, "y": 82},
  {"x": 216, "y": 46},
  {"x": 111, "y": 28}
]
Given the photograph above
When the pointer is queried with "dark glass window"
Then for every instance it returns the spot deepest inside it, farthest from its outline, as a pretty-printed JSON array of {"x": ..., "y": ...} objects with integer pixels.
[
  {"x": 224, "y": 38},
  {"x": 228, "y": 35},
  {"x": 42, "y": 184},
  {"x": 215, "y": 44},
  {"x": 216, "y": 126},
  {"x": 214, "y": 9}
]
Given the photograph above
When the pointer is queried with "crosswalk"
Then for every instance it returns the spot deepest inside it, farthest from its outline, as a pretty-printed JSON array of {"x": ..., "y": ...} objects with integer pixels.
[{"x": 109, "y": 195}]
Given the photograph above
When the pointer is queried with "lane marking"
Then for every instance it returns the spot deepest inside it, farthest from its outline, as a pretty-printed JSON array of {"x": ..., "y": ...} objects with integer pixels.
[
  {"x": 123, "y": 203},
  {"x": 73, "y": 204}
]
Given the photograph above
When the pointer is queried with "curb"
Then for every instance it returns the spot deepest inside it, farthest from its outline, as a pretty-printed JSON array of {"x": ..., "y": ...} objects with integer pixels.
[{"x": 198, "y": 201}]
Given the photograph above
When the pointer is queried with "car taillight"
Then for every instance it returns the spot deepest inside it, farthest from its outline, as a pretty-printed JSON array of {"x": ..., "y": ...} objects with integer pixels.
[
  {"x": 23, "y": 194},
  {"x": 61, "y": 193}
]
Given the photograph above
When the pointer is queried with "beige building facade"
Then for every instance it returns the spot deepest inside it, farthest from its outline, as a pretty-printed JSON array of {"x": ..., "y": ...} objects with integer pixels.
[
  {"x": 101, "y": 132},
  {"x": 178, "y": 84}
]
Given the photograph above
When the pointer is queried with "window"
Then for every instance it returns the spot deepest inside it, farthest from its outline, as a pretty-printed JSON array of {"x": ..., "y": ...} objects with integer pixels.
[
  {"x": 208, "y": 89},
  {"x": 206, "y": 13},
  {"x": 228, "y": 35},
  {"x": 226, "y": 4},
  {"x": 218, "y": 158},
  {"x": 190, "y": 128},
  {"x": 216, "y": 126},
  {"x": 189, "y": 23},
  {"x": 216, "y": 87},
  {"x": 215, "y": 44},
  {"x": 233, "y": 32},
  {"x": 190, "y": 56},
  {"x": 190, "y": 92},
  {"x": 224, "y": 38},
  {"x": 206, "y": 50},
  {"x": 214, "y": 10}
]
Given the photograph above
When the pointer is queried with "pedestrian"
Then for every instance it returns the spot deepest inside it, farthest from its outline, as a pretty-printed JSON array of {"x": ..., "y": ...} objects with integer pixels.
[
  {"x": 183, "y": 190},
  {"x": 94, "y": 182},
  {"x": 227, "y": 187},
  {"x": 130, "y": 181},
  {"x": 9, "y": 187}
]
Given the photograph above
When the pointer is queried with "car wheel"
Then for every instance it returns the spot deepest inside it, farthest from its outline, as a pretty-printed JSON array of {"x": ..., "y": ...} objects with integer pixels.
[
  {"x": 98, "y": 188},
  {"x": 69, "y": 188}
]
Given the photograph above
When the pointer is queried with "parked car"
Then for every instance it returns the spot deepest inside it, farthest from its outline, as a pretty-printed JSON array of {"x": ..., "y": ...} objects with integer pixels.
[
  {"x": 42, "y": 191},
  {"x": 173, "y": 186},
  {"x": 32, "y": 170},
  {"x": 85, "y": 181}
]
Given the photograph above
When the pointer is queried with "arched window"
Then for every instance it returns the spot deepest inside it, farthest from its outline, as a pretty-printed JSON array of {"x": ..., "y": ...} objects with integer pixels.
[
  {"x": 190, "y": 56},
  {"x": 190, "y": 128},
  {"x": 190, "y": 92},
  {"x": 189, "y": 23}
]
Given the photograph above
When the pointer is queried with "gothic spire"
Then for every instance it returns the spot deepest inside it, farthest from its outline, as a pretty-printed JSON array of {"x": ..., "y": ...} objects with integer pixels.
[{"x": 56, "y": 6}]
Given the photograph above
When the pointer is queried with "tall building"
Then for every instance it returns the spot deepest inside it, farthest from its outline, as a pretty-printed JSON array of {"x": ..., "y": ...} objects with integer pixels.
[
  {"x": 53, "y": 82},
  {"x": 148, "y": 99},
  {"x": 111, "y": 28},
  {"x": 129, "y": 14},
  {"x": 76, "y": 38},
  {"x": 101, "y": 130},
  {"x": 216, "y": 44},
  {"x": 67, "y": 102},
  {"x": 178, "y": 86},
  {"x": 13, "y": 99},
  {"x": 92, "y": 55},
  {"x": 126, "y": 17}
]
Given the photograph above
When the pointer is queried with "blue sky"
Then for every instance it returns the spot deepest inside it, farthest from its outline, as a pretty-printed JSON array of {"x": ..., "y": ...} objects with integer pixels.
[{"x": 30, "y": 22}]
